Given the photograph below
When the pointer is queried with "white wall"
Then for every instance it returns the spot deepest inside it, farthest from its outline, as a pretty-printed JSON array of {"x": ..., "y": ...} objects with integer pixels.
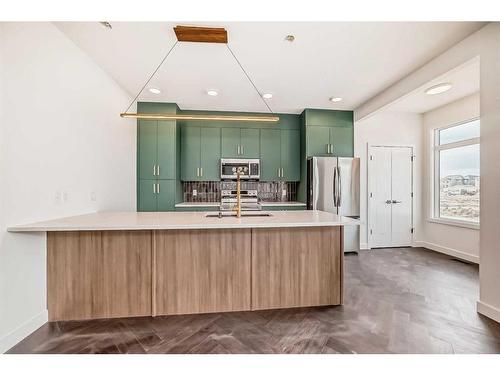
[
  {"x": 61, "y": 140},
  {"x": 453, "y": 240},
  {"x": 388, "y": 128}
]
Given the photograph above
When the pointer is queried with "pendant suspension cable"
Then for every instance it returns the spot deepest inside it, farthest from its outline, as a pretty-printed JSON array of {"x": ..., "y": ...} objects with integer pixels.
[
  {"x": 253, "y": 84},
  {"x": 152, "y": 75}
]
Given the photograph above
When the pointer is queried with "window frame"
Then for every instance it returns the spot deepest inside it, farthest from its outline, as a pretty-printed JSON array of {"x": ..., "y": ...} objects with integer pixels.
[{"x": 435, "y": 182}]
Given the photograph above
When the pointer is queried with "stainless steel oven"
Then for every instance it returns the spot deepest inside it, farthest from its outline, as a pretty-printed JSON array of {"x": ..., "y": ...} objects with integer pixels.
[{"x": 250, "y": 169}]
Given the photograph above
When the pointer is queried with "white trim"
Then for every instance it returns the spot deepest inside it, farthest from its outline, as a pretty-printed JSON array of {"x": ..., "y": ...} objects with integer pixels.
[
  {"x": 455, "y": 223},
  {"x": 364, "y": 246},
  {"x": 368, "y": 189},
  {"x": 448, "y": 251},
  {"x": 488, "y": 310},
  {"x": 14, "y": 337}
]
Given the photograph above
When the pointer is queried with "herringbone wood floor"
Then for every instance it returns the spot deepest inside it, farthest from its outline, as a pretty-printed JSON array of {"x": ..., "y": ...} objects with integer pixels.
[{"x": 397, "y": 301}]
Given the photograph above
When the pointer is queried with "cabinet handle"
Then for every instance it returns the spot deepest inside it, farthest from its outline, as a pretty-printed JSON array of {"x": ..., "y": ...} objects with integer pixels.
[
  {"x": 201, "y": 172},
  {"x": 198, "y": 172},
  {"x": 157, "y": 170},
  {"x": 278, "y": 172},
  {"x": 154, "y": 170},
  {"x": 331, "y": 149},
  {"x": 154, "y": 188},
  {"x": 282, "y": 174},
  {"x": 242, "y": 150},
  {"x": 157, "y": 188},
  {"x": 238, "y": 149},
  {"x": 327, "y": 148}
]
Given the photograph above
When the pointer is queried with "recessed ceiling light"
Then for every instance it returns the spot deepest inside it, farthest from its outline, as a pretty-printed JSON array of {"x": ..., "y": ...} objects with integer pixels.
[
  {"x": 438, "y": 89},
  {"x": 267, "y": 95},
  {"x": 106, "y": 24},
  {"x": 289, "y": 38},
  {"x": 154, "y": 90},
  {"x": 335, "y": 99},
  {"x": 212, "y": 92}
]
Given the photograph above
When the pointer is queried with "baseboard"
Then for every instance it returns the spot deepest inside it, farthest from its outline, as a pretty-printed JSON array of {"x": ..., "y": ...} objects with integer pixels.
[
  {"x": 25, "y": 329},
  {"x": 364, "y": 246},
  {"x": 448, "y": 251},
  {"x": 488, "y": 310}
]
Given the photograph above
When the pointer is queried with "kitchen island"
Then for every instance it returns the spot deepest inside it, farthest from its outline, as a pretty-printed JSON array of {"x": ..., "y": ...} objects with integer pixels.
[{"x": 120, "y": 264}]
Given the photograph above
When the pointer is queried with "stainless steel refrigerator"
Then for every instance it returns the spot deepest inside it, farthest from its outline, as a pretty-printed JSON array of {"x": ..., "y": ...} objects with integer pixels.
[{"x": 333, "y": 186}]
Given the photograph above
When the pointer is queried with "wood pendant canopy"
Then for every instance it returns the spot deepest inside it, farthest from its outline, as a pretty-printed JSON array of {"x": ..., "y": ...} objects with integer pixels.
[{"x": 201, "y": 34}]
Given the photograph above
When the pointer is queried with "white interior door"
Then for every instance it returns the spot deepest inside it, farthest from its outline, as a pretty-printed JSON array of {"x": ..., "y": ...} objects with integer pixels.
[{"x": 390, "y": 196}]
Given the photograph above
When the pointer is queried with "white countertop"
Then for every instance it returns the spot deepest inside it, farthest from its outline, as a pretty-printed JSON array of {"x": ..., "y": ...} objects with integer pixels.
[
  {"x": 183, "y": 220},
  {"x": 217, "y": 204}
]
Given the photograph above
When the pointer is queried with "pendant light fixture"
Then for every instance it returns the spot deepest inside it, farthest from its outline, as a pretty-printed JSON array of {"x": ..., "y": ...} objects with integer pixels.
[{"x": 200, "y": 35}]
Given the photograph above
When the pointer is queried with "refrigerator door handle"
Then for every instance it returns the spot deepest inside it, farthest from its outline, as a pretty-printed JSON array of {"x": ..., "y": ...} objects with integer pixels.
[
  {"x": 334, "y": 186},
  {"x": 339, "y": 194}
]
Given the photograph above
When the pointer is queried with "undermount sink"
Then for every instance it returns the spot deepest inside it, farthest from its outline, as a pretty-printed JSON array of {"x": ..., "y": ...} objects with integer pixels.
[{"x": 220, "y": 215}]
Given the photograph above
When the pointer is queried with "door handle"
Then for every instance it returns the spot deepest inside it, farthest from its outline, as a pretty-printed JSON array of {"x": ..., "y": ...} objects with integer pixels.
[
  {"x": 154, "y": 170},
  {"x": 388, "y": 201},
  {"x": 154, "y": 188},
  {"x": 157, "y": 188},
  {"x": 339, "y": 192},
  {"x": 282, "y": 174},
  {"x": 335, "y": 187},
  {"x": 198, "y": 172},
  {"x": 201, "y": 172},
  {"x": 397, "y": 201},
  {"x": 157, "y": 170}
]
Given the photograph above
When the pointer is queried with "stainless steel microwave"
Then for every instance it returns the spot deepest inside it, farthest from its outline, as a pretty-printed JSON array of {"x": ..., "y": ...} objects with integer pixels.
[{"x": 250, "y": 169}]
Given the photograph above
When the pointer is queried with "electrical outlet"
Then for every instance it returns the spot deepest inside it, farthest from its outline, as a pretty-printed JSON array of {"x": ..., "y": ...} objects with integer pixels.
[
  {"x": 93, "y": 196},
  {"x": 195, "y": 192}
]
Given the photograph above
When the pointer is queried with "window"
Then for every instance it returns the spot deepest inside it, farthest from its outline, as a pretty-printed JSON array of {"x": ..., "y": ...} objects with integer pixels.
[{"x": 456, "y": 174}]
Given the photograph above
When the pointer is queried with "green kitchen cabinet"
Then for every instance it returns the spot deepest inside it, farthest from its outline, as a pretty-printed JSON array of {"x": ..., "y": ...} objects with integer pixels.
[
  {"x": 156, "y": 149},
  {"x": 280, "y": 155},
  {"x": 200, "y": 153},
  {"x": 165, "y": 195},
  {"x": 240, "y": 143},
  {"x": 156, "y": 195},
  {"x": 342, "y": 141},
  {"x": 318, "y": 140},
  {"x": 270, "y": 154},
  {"x": 250, "y": 143},
  {"x": 231, "y": 142},
  {"x": 290, "y": 155},
  {"x": 147, "y": 196}
]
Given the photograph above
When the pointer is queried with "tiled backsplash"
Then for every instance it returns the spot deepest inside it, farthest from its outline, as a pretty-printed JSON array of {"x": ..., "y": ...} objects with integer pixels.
[{"x": 209, "y": 191}]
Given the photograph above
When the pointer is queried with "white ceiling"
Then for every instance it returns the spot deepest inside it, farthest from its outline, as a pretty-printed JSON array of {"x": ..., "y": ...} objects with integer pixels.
[
  {"x": 464, "y": 80},
  {"x": 347, "y": 59}
]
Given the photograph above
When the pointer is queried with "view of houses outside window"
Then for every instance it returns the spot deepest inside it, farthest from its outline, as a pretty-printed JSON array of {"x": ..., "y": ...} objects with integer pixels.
[{"x": 457, "y": 172}]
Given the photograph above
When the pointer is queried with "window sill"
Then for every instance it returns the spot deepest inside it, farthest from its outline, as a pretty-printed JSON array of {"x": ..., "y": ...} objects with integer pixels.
[{"x": 455, "y": 223}]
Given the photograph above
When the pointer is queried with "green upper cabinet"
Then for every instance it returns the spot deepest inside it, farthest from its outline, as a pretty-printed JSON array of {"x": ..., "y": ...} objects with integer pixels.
[
  {"x": 147, "y": 148},
  {"x": 210, "y": 146},
  {"x": 200, "y": 153},
  {"x": 250, "y": 143},
  {"x": 329, "y": 133},
  {"x": 270, "y": 154},
  {"x": 290, "y": 155},
  {"x": 240, "y": 143},
  {"x": 318, "y": 140},
  {"x": 156, "y": 149},
  {"x": 279, "y": 155},
  {"x": 342, "y": 141},
  {"x": 231, "y": 144}
]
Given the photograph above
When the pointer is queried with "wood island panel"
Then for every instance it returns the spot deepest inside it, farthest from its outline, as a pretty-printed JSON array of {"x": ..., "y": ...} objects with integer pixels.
[
  {"x": 98, "y": 274},
  {"x": 201, "y": 271},
  {"x": 294, "y": 267}
]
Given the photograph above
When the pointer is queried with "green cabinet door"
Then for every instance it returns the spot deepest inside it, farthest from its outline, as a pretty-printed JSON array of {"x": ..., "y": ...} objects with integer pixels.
[
  {"x": 250, "y": 143},
  {"x": 147, "y": 196},
  {"x": 165, "y": 194},
  {"x": 190, "y": 153},
  {"x": 290, "y": 155},
  {"x": 342, "y": 141},
  {"x": 147, "y": 133},
  {"x": 270, "y": 154},
  {"x": 210, "y": 146},
  {"x": 231, "y": 142},
  {"x": 318, "y": 138},
  {"x": 166, "y": 150}
]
